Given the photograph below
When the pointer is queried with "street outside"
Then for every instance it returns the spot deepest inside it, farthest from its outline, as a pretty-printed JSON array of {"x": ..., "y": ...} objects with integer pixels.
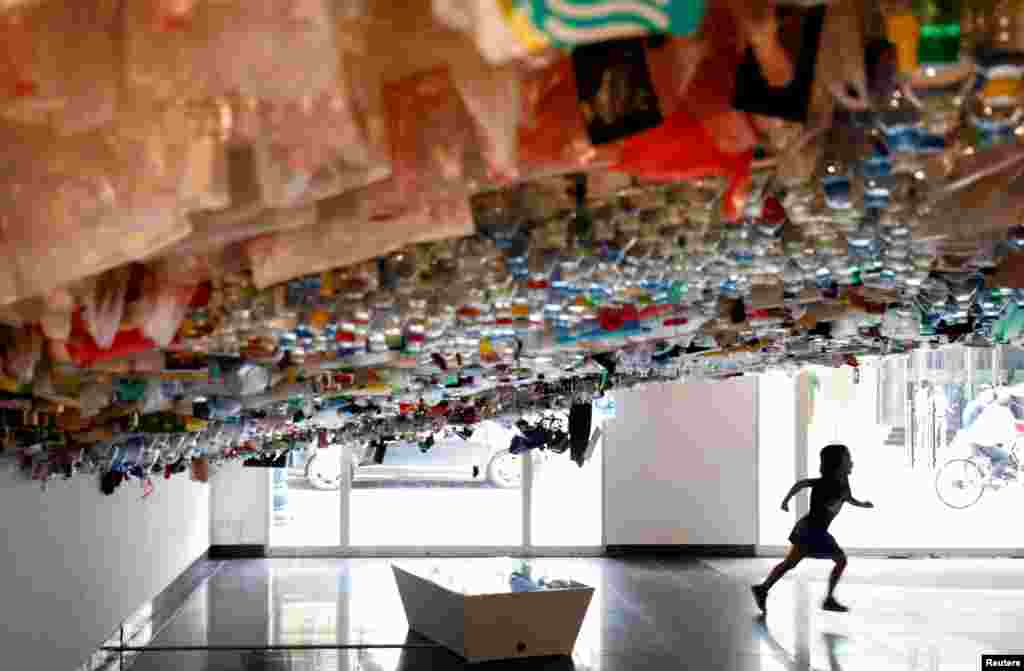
[
  {"x": 908, "y": 513},
  {"x": 402, "y": 513},
  {"x": 429, "y": 513}
]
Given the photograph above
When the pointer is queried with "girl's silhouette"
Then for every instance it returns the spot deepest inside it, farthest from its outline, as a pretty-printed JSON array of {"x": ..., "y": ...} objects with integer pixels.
[{"x": 810, "y": 536}]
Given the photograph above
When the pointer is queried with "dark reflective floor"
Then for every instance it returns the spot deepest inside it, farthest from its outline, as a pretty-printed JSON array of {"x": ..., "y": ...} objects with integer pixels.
[{"x": 651, "y": 614}]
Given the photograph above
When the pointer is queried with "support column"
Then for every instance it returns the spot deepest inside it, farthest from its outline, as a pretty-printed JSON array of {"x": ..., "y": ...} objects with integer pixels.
[{"x": 802, "y": 408}]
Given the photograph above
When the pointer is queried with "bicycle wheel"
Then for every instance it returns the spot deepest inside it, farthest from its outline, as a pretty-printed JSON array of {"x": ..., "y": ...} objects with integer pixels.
[{"x": 960, "y": 483}]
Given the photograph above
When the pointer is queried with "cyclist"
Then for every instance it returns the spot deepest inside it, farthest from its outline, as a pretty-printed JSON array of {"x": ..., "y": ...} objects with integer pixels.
[
  {"x": 985, "y": 398},
  {"x": 995, "y": 428}
]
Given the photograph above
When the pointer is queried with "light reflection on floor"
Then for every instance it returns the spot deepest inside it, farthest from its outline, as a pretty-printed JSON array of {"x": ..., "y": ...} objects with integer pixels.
[{"x": 652, "y": 614}]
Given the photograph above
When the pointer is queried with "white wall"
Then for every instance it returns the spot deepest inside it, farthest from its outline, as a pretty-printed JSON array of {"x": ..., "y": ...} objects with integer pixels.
[
  {"x": 74, "y": 563},
  {"x": 681, "y": 465},
  {"x": 240, "y": 505}
]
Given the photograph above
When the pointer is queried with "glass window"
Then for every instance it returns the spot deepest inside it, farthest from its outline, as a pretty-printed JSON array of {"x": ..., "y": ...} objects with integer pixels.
[
  {"x": 566, "y": 496},
  {"x": 306, "y": 499},
  {"x": 459, "y": 488},
  {"x": 912, "y": 499}
]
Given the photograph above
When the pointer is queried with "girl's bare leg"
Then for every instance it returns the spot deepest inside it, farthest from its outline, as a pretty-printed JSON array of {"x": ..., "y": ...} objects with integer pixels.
[{"x": 793, "y": 558}]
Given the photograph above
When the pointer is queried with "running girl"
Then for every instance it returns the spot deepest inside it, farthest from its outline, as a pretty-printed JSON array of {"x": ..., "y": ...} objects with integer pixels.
[{"x": 810, "y": 536}]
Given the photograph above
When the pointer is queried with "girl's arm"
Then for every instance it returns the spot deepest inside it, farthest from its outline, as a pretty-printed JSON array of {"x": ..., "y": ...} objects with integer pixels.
[
  {"x": 848, "y": 498},
  {"x": 800, "y": 484}
]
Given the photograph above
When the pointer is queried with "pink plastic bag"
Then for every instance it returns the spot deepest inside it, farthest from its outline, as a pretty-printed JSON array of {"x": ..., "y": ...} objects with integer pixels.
[
  {"x": 76, "y": 206},
  {"x": 263, "y": 49},
  {"x": 320, "y": 146},
  {"x": 59, "y": 65},
  {"x": 73, "y": 207}
]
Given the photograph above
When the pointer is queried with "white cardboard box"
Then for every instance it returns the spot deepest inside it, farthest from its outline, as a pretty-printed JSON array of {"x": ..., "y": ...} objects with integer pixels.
[{"x": 497, "y": 624}]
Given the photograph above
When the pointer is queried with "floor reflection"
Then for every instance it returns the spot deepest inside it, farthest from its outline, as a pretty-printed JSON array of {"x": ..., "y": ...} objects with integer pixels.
[
  {"x": 905, "y": 629},
  {"x": 657, "y": 614}
]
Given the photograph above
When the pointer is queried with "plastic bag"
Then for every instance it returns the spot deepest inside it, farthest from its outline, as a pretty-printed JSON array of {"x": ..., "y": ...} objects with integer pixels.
[
  {"x": 56, "y": 317},
  {"x": 447, "y": 108},
  {"x": 206, "y": 183},
  {"x": 491, "y": 96},
  {"x": 504, "y": 31},
  {"x": 265, "y": 49},
  {"x": 76, "y": 206},
  {"x": 432, "y": 142},
  {"x": 552, "y": 135},
  {"x": 490, "y": 28},
  {"x": 23, "y": 354},
  {"x": 94, "y": 398},
  {"x": 59, "y": 65},
  {"x": 982, "y": 198},
  {"x": 163, "y": 306},
  {"x": 322, "y": 145},
  {"x": 278, "y": 257},
  {"x": 200, "y": 469},
  {"x": 346, "y": 234},
  {"x": 205, "y": 253},
  {"x": 683, "y": 149},
  {"x": 103, "y": 301}
]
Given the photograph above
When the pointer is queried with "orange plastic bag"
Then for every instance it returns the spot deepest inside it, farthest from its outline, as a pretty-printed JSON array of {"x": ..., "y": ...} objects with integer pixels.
[
  {"x": 432, "y": 142},
  {"x": 59, "y": 65},
  {"x": 552, "y": 134},
  {"x": 554, "y": 137},
  {"x": 453, "y": 117},
  {"x": 683, "y": 148}
]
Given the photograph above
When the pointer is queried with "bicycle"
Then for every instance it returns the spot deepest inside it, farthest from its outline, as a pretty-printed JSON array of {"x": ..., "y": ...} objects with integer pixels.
[{"x": 961, "y": 482}]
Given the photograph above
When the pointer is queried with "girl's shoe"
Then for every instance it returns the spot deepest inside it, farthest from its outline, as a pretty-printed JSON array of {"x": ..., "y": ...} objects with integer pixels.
[
  {"x": 761, "y": 597},
  {"x": 834, "y": 606}
]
